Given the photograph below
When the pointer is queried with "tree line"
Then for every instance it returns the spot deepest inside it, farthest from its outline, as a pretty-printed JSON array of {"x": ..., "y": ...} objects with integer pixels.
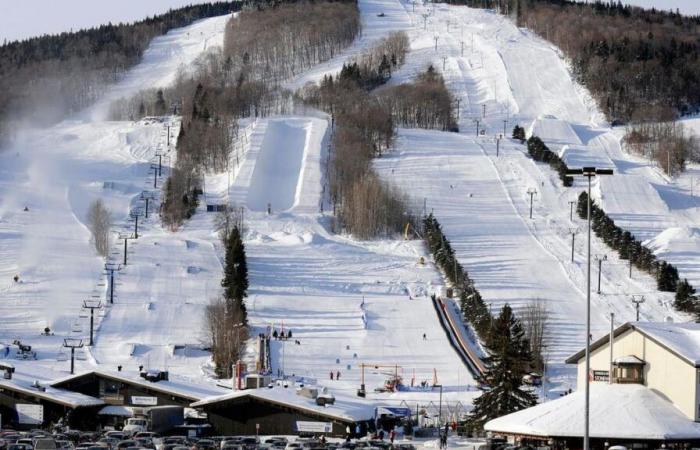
[
  {"x": 511, "y": 343},
  {"x": 663, "y": 141},
  {"x": 640, "y": 256},
  {"x": 276, "y": 43},
  {"x": 364, "y": 120},
  {"x": 239, "y": 81},
  {"x": 539, "y": 151},
  {"x": 630, "y": 59},
  {"x": 43, "y": 79}
]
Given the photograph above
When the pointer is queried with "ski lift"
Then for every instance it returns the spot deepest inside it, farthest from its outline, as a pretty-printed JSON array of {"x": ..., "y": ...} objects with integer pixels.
[
  {"x": 83, "y": 314},
  {"x": 76, "y": 327}
]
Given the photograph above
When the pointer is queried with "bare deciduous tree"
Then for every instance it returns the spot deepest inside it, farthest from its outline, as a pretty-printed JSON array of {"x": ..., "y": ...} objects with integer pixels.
[
  {"x": 226, "y": 335},
  {"x": 228, "y": 219},
  {"x": 99, "y": 222},
  {"x": 535, "y": 319}
]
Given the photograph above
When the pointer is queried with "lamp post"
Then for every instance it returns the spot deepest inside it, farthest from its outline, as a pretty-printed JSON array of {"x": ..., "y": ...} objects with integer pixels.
[
  {"x": 638, "y": 300},
  {"x": 588, "y": 172},
  {"x": 600, "y": 260},
  {"x": 72, "y": 344},
  {"x": 531, "y": 192}
]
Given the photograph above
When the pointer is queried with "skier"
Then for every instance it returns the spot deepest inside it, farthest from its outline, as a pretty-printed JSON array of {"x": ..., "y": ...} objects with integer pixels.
[
  {"x": 424, "y": 337},
  {"x": 337, "y": 375},
  {"x": 331, "y": 375}
]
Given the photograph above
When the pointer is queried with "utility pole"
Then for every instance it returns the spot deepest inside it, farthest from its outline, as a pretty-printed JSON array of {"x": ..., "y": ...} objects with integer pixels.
[
  {"x": 637, "y": 300},
  {"x": 111, "y": 268},
  {"x": 588, "y": 172},
  {"x": 571, "y": 212},
  {"x": 574, "y": 232},
  {"x": 72, "y": 344},
  {"x": 531, "y": 192},
  {"x": 600, "y": 260},
  {"x": 92, "y": 305}
]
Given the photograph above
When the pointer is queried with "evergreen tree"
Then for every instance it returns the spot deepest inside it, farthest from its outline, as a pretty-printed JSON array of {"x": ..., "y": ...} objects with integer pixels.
[
  {"x": 509, "y": 359},
  {"x": 685, "y": 297},
  {"x": 235, "y": 280}
]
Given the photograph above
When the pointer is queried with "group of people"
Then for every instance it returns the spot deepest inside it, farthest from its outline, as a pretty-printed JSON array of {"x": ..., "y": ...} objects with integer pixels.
[{"x": 336, "y": 374}]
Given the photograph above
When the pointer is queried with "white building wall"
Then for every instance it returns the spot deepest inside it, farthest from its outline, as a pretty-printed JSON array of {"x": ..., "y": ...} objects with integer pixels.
[{"x": 667, "y": 374}]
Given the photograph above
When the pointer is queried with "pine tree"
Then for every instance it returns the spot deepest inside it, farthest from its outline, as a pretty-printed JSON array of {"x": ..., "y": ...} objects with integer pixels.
[
  {"x": 235, "y": 282},
  {"x": 685, "y": 297},
  {"x": 509, "y": 360}
]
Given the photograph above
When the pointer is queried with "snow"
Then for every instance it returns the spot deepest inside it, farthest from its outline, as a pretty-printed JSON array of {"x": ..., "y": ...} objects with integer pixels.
[
  {"x": 347, "y": 301},
  {"x": 24, "y": 384},
  {"x": 30, "y": 18},
  {"x": 620, "y": 411},
  {"x": 345, "y": 407},
  {"x": 682, "y": 338}
]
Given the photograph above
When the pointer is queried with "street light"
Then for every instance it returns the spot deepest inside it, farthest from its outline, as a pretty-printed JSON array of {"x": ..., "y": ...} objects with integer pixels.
[
  {"x": 588, "y": 172},
  {"x": 600, "y": 260},
  {"x": 531, "y": 191},
  {"x": 638, "y": 300},
  {"x": 72, "y": 343}
]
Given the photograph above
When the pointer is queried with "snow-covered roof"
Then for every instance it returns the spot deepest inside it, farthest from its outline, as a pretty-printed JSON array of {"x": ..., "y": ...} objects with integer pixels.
[
  {"x": 681, "y": 339},
  {"x": 345, "y": 408},
  {"x": 621, "y": 411},
  {"x": 182, "y": 388},
  {"x": 49, "y": 393},
  {"x": 116, "y": 410},
  {"x": 629, "y": 359}
]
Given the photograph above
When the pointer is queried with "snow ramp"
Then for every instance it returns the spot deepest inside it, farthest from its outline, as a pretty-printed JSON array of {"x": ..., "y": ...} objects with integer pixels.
[{"x": 282, "y": 167}]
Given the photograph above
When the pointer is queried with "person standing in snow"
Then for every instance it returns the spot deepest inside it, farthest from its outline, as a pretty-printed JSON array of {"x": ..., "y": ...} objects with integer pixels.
[
  {"x": 337, "y": 375},
  {"x": 331, "y": 375}
]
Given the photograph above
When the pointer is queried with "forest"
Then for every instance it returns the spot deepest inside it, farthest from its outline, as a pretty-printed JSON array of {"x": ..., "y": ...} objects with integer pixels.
[{"x": 45, "y": 78}]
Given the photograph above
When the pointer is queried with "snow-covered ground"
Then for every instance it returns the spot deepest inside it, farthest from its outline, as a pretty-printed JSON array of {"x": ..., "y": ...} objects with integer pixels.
[{"x": 347, "y": 302}]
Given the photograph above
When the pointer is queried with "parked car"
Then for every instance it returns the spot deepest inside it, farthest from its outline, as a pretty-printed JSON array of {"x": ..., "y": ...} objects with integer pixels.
[
  {"x": 65, "y": 445},
  {"x": 20, "y": 446}
]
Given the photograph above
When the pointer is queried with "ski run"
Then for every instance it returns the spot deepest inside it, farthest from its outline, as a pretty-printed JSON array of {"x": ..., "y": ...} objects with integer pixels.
[{"x": 348, "y": 302}]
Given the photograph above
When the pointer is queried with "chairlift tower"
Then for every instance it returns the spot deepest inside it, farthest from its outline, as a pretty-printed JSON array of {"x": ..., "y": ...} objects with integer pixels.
[{"x": 72, "y": 344}]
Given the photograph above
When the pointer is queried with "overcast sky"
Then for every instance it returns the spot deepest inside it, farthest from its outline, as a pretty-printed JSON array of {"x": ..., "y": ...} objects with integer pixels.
[{"x": 20, "y": 19}]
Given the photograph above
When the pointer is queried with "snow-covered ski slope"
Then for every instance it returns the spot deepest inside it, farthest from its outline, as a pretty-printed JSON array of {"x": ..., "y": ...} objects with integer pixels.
[
  {"x": 504, "y": 76},
  {"x": 347, "y": 302}
]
